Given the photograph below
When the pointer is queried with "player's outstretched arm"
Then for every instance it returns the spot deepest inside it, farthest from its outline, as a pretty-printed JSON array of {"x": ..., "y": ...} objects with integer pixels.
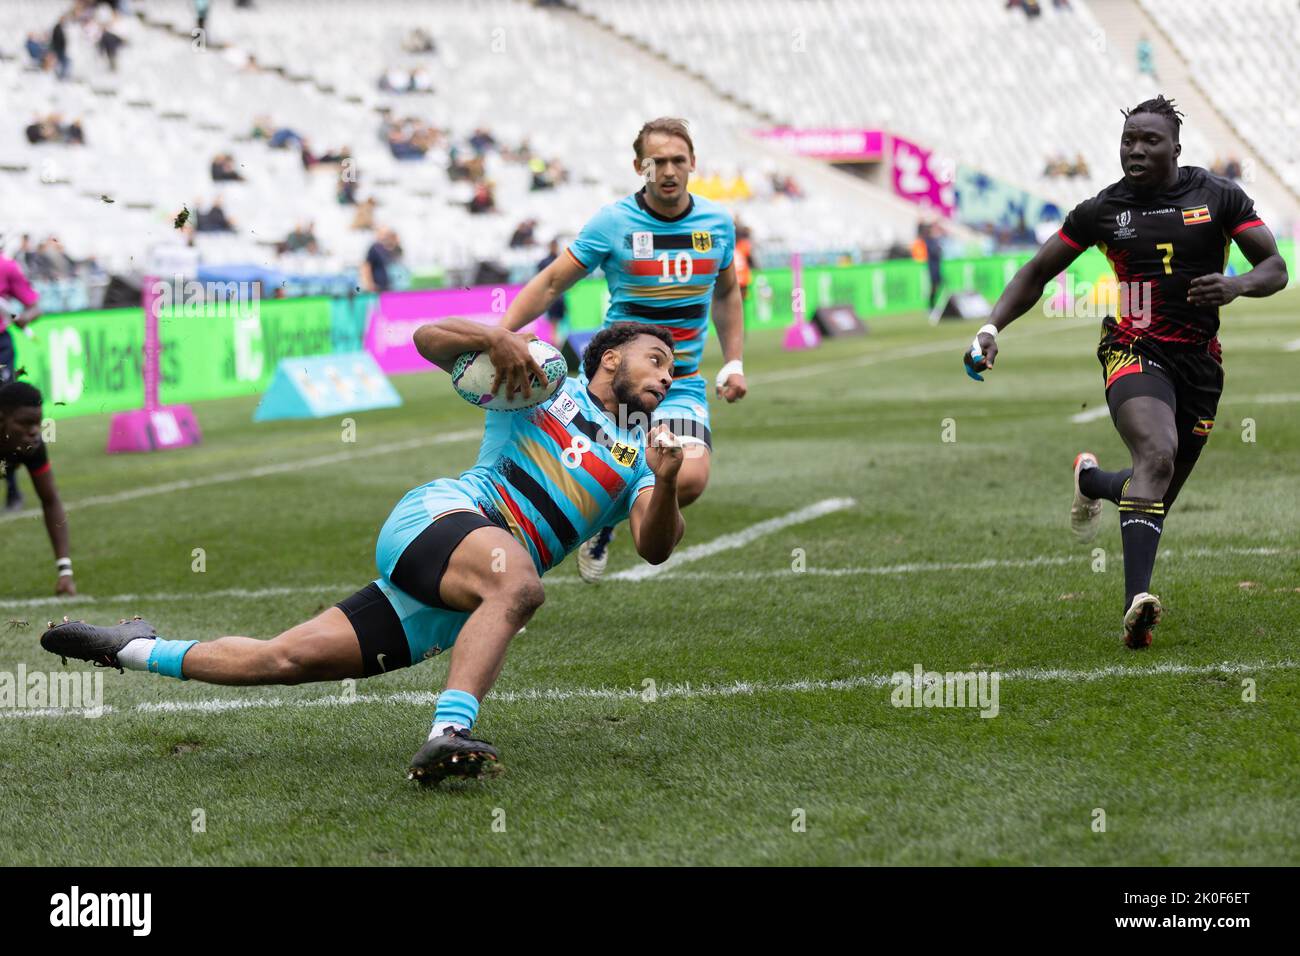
[
  {"x": 444, "y": 341},
  {"x": 656, "y": 520},
  {"x": 1023, "y": 292},
  {"x": 729, "y": 319},
  {"x": 56, "y": 526},
  {"x": 542, "y": 290},
  {"x": 1266, "y": 276}
]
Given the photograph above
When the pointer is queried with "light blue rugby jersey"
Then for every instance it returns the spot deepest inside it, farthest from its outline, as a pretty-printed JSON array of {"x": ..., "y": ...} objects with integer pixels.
[
  {"x": 660, "y": 270},
  {"x": 555, "y": 474}
]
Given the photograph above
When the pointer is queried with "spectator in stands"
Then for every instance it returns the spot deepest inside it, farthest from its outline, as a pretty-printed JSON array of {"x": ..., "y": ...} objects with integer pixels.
[
  {"x": 214, "y": 219},
  {"x": 482, "y": 141},
  {"x": 395, "y": 80},
  {"x": 557, "y": 309},
  {"x": 59, "y": 47},
  {"x": 523, "y": 234},
  {"x": 51, "y": 263},
  {"x": 38, "y": 47},
  {"x": 421, "y": 81},
  {"x": 52, "y": 129},
  {"x": 786, "y": 186},
  {"x": 277, "y": 137},
  {"x": 348, "y": 185},
  {"x": 418, "y": 41},
  {"x": 223, "y": 169},
  {"x": 1080, "y": 167},
  {"x": 301, "y": 239},
  {"x": 25, "y": 254},
  {"x": 110, "y": 40},
  {"x": 408, "y": 138},
  {"x": 1146, "y": 57},
  {"x": 744, "y": 258},
  {"x": 482, "y": 201},
  {"x": 364, "y": 217},
  {"x": 1229, "y": 168},
  {"x": 927, "y": 249},
  {"x": 382, "y": 254}
]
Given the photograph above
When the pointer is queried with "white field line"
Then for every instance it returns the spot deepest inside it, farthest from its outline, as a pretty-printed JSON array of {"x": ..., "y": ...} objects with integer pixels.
[
  {"x": 885, "y": 570},
  {"x": 1276, "y": 398},
  {"x": 1091, "y": 414},
  {"x": 739, "y": 539},
  {"x": 913, "y": 351},
  {"x": 1292, "y": 346},
  {"x": 681, "y": 691},
  {"x": 262, "y": 471}
]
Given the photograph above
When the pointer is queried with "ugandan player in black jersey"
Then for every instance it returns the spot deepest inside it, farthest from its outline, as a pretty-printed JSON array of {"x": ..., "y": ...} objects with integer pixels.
[
  {"x": 21, "y": 444},
  {"x": 1166, "y": 231}
]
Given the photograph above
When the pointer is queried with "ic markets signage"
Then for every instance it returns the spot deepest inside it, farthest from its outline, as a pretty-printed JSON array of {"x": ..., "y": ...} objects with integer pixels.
[{"x": 92, "y": 362}]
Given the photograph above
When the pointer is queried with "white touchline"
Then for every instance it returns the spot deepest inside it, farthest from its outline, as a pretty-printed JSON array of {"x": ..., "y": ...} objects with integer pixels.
[
  {"x": 737, "y": 539},
  {"x": 1091, "y": 414},
  {"x": 262, "y": 471},
  {"x": 920, "y": 567},
  {"x": 159, "y": 596},
  {"x": 1292, "y": 346},
  {"x": 736, "y": 689}
]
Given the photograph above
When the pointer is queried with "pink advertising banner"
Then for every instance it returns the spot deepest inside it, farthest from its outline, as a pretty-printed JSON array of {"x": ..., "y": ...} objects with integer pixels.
[
  {"x": 397, "y": 315},
  {"x": 843, "y": 145},
  {"x": 921, "y": 177}
]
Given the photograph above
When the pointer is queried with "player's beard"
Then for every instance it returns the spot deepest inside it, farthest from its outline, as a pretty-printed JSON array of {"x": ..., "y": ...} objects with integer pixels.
[{"x": 627, "y": 395}]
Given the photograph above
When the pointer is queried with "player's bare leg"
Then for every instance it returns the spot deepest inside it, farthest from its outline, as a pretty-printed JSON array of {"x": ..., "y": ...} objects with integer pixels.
[
  {"x": 491, "y": 575},
  {"x": 1147, "y": 425},
  {"x": 322, "y": 649}
]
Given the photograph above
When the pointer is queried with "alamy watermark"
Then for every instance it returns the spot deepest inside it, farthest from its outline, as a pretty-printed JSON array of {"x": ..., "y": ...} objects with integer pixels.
[
  {"x": 179, "y": 296},
  {"x": 1073, "y": 298},
  {"x": 922, "y": 688},
  {"x": 61, "y": 691}
]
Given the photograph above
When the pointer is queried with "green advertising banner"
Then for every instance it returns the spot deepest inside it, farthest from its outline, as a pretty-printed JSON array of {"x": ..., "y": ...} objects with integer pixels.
[
  {"x": 876, "y": 288},
  {"x": 91, "y": 362}
]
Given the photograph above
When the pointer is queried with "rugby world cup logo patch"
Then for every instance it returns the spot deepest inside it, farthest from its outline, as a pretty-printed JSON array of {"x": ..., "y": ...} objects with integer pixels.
[{"x": 1124, "y": 218}]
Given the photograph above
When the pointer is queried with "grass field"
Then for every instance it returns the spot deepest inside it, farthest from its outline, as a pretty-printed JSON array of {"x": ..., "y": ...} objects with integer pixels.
[{"x": 773, "y": 692}]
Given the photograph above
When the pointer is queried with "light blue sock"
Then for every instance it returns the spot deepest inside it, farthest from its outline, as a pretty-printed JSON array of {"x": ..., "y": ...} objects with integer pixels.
[
  {"x": 167, "y": 656},
  {"x": 456, "y": 707}
]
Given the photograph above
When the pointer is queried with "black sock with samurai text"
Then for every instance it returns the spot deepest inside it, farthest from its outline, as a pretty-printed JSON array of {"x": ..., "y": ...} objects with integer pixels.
[
  {"x": 1141, "y": 521},
  {"x": 1110, "y": 485}
]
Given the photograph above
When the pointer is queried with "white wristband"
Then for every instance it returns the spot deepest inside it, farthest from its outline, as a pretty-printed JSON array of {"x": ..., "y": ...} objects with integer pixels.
[
  {"x": 989, "y": 329},
  {"x": 63, "y": 564},
  {"x": 734, "y": 367}
]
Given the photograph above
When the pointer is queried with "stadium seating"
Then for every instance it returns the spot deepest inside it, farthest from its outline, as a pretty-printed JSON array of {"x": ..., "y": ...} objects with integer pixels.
[
  {"x": 970, "y": 78},
  {"x": 507, "y": 66},
  {"x": 1260, "y": 93}
]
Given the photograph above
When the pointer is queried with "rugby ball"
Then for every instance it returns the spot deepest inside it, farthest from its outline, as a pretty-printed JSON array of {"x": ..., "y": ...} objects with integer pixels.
[{"x": 473, "y": 373}]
